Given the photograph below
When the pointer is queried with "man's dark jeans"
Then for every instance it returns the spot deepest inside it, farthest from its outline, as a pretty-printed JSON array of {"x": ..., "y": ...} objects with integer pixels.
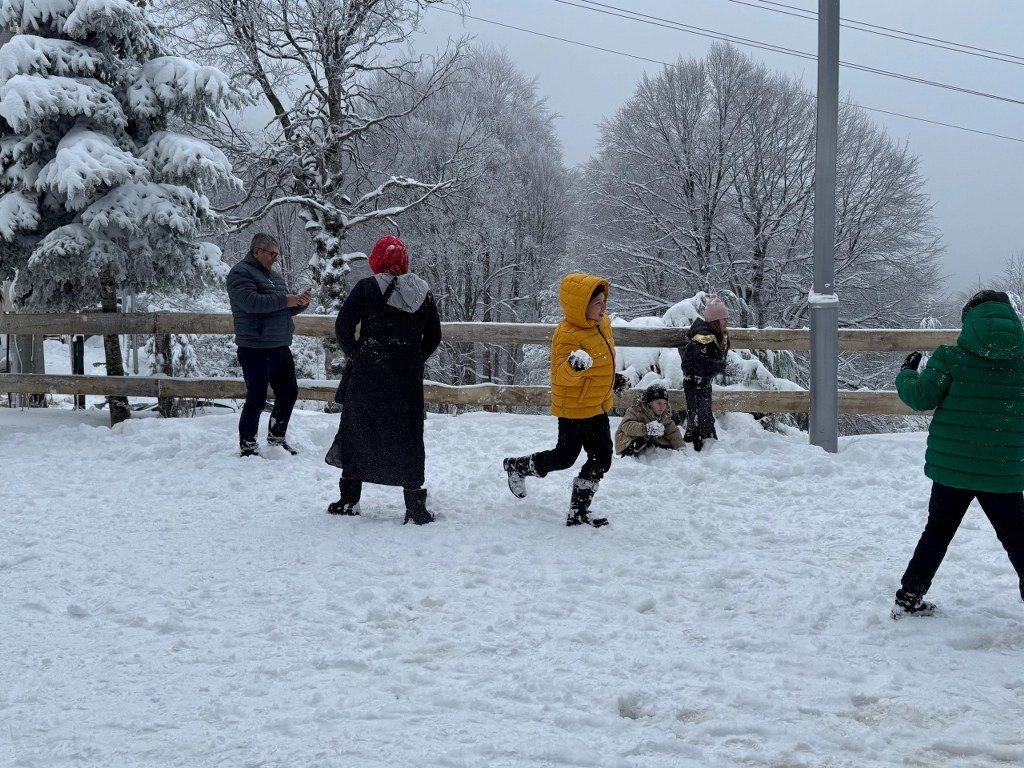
[
  {"x": 260, "y": 368},
  {"x": 946, "y": 510}
]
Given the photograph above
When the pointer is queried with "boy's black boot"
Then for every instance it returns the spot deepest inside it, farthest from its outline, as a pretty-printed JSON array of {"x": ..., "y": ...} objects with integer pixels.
[
  {"x": 909, "y": 603},
  {"x": 518, "y": 470},
  {"x": 583, "y": 491}
]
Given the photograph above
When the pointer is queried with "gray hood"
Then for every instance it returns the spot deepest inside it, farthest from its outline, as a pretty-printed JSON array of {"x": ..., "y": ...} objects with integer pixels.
[{"x": 409, "y": 294}]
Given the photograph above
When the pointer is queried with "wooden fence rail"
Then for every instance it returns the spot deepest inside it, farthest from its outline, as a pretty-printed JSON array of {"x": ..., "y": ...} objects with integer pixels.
[
  {"x": 98, "y": 324},
  {"x": 742, "y": 401},
  {"x": 748, "y": 401}
]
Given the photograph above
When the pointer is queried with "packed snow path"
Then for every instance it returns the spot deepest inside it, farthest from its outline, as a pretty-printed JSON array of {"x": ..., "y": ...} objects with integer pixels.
[{"x": 168, "y": 604}]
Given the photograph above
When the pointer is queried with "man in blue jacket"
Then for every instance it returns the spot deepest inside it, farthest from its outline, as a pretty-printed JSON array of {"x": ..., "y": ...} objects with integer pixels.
[{"x": 262, "y": 309}]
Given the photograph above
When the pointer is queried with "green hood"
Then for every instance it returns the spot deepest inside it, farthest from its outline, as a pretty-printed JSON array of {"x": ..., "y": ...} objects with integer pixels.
[{"x": 993, "y": 330}]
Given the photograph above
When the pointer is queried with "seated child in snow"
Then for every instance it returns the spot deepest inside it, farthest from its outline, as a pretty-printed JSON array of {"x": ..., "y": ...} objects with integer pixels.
[{"x": 647, "y": 425}]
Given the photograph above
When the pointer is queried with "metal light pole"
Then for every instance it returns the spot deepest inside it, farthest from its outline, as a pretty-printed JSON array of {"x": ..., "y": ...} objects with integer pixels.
[{"x": 824, "y": 304}]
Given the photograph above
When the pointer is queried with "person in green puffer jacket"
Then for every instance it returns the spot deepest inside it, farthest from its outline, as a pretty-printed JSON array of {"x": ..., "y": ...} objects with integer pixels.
[{"x": 975, "y": 441}]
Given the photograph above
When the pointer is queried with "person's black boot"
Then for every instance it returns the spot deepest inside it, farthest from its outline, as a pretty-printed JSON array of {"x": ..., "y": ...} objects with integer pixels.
[
  {"x": 416, "y": 506},
  {"x": 518, "y": 470},
  {"x": 910, "y": 604},
  {"x": 249, "y": 448},
  {"x": 348, "y": 504},
  {"x": 280, "y": 442},
  {"x": 583, "y": 491}
]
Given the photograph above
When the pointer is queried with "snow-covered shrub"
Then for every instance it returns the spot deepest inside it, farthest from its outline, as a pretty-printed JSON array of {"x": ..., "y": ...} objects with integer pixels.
[
  {"x": 179, "y": 359},
  {"x": 764, "y": 370}
]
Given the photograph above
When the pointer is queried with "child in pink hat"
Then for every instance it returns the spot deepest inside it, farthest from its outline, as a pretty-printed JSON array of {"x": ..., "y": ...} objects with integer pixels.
[{"x": 704, "y": 358}]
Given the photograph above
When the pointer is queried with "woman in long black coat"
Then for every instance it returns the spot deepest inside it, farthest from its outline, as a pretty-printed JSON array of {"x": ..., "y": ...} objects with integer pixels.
[{"x": 387, "y": 328}]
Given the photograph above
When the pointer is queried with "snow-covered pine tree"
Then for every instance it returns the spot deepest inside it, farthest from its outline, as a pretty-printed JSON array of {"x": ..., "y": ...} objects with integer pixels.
[{"x": 97, "y": 192}]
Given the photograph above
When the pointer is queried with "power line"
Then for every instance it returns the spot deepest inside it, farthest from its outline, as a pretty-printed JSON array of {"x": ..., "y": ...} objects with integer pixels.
[
  {"x": 658, "y": 21},
  {"x": 901, "y": 35},
  {"x": 1010, "y": 58},
  {"x": 649, "y": 60}
]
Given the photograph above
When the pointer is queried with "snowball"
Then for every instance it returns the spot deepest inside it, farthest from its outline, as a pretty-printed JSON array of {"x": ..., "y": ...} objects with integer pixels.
[{"x": 581, "y": 361}]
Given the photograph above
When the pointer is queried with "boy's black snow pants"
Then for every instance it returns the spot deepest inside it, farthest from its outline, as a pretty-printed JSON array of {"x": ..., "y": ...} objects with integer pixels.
[
  {"x": 946, "y": 510},
  {"x": 594, "y": 435}
]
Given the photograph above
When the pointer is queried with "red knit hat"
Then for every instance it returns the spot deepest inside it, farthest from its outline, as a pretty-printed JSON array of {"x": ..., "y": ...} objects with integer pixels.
[{"x": 389, "y": 255}]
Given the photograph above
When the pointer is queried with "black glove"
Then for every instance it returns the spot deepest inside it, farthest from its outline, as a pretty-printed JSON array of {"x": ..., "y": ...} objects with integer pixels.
[
  {"x": 621, "y": 384},
  {"x": 912, "y": 362}
]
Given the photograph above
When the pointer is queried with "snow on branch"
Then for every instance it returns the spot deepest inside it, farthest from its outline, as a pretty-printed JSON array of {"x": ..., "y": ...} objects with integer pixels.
[
  {"x": 210, "y": 262},
  {"x": 33, "y": 15},
  {"x": 119, "y": 21},
  {"x": 174, "y": 158},
  {"x": 85, "y": 163},
  {"x": 18, "y": 213},
  {"x": 32, "y": 55},
  {"x": 18, "y": 159},
  {"x": 145, "y": 207},
  {"x": 74, "y": 249},
  {"x": 27, "y": 100},
  {"x": 171, "y": 83}
]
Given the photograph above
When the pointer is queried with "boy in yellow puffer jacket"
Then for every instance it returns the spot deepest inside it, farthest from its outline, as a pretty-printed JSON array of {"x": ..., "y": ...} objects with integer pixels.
[{"x": 583, "y": 380}]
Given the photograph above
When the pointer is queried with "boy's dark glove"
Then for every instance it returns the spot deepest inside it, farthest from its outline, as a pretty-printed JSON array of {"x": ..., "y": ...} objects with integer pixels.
[
  {"x": 621, "y": 384},
  {"x": 912, "y": 363}
]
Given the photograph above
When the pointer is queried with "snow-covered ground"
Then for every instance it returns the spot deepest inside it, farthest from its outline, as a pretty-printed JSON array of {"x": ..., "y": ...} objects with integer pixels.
[{"x": 165, "y": 603}]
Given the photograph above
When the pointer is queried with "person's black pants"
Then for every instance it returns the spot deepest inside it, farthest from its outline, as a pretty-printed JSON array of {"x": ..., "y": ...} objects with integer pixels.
[
  {"x": 593, "y": 435},
  {"x": 260, "y": 368},
  {"x": 946, "y": 510}
]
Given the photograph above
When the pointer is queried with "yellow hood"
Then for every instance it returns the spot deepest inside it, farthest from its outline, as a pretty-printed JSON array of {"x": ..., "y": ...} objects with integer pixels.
[{"x": 574, "y": 296}]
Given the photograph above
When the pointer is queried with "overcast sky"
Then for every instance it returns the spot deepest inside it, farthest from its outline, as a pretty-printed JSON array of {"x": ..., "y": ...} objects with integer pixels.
[{"x": 975, "y": 182}]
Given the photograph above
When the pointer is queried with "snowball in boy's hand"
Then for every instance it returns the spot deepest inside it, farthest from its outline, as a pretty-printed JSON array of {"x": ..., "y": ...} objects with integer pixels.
[
  {"x": 655, "y": 429},
  {"x": 580, "y": 360}
]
